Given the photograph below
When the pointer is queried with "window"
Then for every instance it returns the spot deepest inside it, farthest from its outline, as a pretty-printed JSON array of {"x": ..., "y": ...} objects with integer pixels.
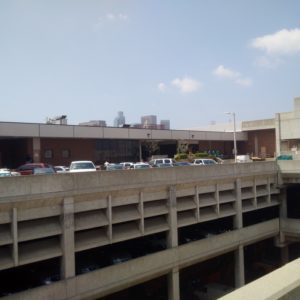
[
  {"x": 66, "y": 153},
  {"x": 48, "y": 153}
]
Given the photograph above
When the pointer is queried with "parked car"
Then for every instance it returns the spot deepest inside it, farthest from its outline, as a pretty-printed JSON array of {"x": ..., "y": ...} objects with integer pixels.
[
  {"x": 50, "y": 279},
  {"x": 119, "y": 257},
  {"x": 5, "y": 173},
  {"x": 164, "y": 165},
  {"x": 112, "y": 167},
  {"x": 28, "y": 169},
  {"x": 61, "y": 169},
  {"x": 157, "y": 161},
  {"x": 127, "y": 165},
  {"x": 141, "y": 166},
  {"x": 41, "y": 171},
  {"x": 82, "y": 166},
  {"x": 243, "y": 158},
  {"x": 204, "y": 161},
  {"x": 181, "y": 163}
]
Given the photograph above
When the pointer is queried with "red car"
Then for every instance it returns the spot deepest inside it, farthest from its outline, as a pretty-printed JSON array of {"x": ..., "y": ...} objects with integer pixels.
[{"x": 28, "y": 169}]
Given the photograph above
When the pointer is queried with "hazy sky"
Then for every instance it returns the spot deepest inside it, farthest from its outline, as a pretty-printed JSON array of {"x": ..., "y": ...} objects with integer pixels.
[{"x": 186, "y": 61}]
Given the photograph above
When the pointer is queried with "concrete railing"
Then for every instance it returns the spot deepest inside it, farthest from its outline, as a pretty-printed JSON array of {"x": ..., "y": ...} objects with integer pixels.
[
  {"x": 283, "y": 283},
  {"x": 69, "y": 184},
  {"x": 289, "y": 171},
  {"x": 290, "y": 227}
]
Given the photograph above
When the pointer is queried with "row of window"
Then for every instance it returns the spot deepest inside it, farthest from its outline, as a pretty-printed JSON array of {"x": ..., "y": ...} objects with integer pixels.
[{"x": 65, "y": 153}]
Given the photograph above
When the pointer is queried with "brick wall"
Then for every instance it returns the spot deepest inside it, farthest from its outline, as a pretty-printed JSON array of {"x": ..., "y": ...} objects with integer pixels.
[
  {"x": 261, "y": 142},
  {"x": 62, "y": 151}
]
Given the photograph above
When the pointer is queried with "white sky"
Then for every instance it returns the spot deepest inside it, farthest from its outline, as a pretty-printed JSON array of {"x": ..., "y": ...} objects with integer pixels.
[{"x": 186, "y": 61}]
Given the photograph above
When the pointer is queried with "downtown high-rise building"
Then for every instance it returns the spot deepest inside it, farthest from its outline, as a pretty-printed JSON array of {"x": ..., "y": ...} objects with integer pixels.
[{"x": 119, "y": 121}]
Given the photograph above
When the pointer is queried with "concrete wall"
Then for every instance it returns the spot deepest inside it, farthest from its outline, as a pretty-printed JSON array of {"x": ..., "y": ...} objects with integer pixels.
[
  {"x": 8, "y": 129},
  {"x": 258, "y": 125}
]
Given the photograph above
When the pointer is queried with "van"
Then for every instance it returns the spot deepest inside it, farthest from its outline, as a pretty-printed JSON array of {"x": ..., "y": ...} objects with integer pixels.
[
  {"x": 158, "y": 161},
  {"x": 204, "y": 161}
]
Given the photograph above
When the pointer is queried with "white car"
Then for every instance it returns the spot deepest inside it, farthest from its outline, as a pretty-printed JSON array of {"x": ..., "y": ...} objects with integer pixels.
[
  {"x": 61, "y": 169},
  {"x": 157, "y": 161},
  {"x": 243, "y": 158},
  {"x": 204, "y": 161},
  {"x": 127, "y": 164},
  {"x": 82, "y": 166},
  {"x": 5, "y": 173}
]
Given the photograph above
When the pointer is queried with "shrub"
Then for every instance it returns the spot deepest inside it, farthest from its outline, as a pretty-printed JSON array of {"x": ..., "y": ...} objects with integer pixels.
[
  {"x": 201, "y": 155},
  {"x": 180, "y": 156}
]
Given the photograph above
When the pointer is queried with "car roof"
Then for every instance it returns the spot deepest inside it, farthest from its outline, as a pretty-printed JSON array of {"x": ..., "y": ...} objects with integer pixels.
[{"x": 81, "y": 161}]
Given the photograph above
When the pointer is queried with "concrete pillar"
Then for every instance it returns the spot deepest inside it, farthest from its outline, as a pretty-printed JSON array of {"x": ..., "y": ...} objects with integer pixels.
[
  {"x": 172, "y": 241},
  {"x": 140, "y": 151},
  {"x": 196, "y": 199},
  {"x": 256, "y": 145},
  {"x": 173, "y": 285},
  {"x": 217, "y": 197},
  {"x": 284, "y": 249},
  {"x": 141, "y": 211},
  {"x": 14, "y": 233},
  {"x": 68, "y": 240},
  {"x": 269, "y": 199},
  {"x": 285, "y": 256},
  {"x": 172, "y": 237},
  {"x": 239, "y": 268},
  {"x": 283, "y": 203},
  {"x": 36, "y": 146},
  {"x": 109, "y": 217},
  {"x": 278, "y": 133},
  {"x": 238, "y": 219}
]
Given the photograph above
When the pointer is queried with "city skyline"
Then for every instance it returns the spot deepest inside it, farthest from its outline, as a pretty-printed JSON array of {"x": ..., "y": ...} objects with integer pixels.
[{"x": 189, "y": 62}]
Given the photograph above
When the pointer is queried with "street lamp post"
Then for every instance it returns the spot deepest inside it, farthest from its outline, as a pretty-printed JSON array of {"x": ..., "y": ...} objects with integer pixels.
[{"x": 234, "y": 135}]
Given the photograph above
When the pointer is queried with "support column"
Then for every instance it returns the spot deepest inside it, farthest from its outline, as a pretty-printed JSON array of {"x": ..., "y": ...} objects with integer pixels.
[
  {"x": 36, "y": 146},
  {"x": 238, "y": 219},
  {"x": 173, "y": 285},
  {"x": 172, "y": 241},
  {"x": 140, "y": 151},
  {"x": 281, "y": 240},
  {"x": 67, "y": 240},
  {"x": 172, "y": 238},
  {"x": 217, "y": 198},
  {"x": 285, "y": 255},
  {"x": 239, "y": 268},
  {"x": 109, "y": 217},
  {"x": 278, "y": 134},
  {"x": 256, "y": 145},
  {"x": 141, "y": 211},
  {"x": 14, "y": 231}
]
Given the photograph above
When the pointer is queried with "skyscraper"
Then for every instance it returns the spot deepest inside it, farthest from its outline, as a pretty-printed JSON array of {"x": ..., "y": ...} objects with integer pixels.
[
  {"x": 164, "y": 124},
  {"x": 149, "y": 121},
  {"x": 119, "y": 121}
]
